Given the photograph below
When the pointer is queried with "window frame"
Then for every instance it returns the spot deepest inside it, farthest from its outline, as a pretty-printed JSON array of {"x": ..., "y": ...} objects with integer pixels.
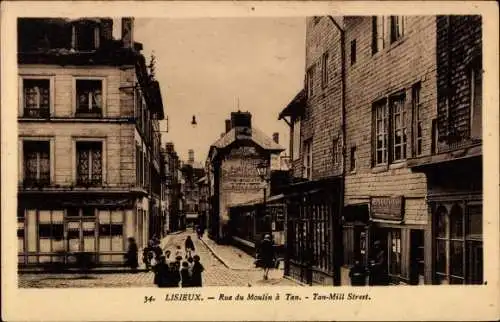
[
  {"x": 353, "y": 52},
  {"x": 384, "y": 118},
  {"x": 296, "y": 139},
  {"x": 417, "y": 120},
  {"x": 353, "y": 159},
  {"x": 75, "y": 111},
  {"x": 307, "y": 159},
  {"x": 22, "y": 78},
  {"x": 310, "y": 81},
  {"x": 324, "y": 70},
  {"x": 392, "y": 128},
  {"x": 396, "y": 28},
  {"x": 103, "y": 155},
  {"x": 21, "y": 140}
]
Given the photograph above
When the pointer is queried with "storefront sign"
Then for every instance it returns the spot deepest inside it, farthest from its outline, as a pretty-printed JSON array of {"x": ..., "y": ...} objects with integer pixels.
[{"x": 387, "y": 208}]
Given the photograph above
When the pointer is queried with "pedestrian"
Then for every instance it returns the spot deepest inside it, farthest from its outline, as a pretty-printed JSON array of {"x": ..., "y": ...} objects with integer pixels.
[
  {"x": 196, "y": 272},
  {"x": 266, "y": 254},
  {"x": 379, "y": 274},
  {"x": 146, "y": 256},
  {"x": 167, "y": 256},
  {"x": 188, "y": 246},
  {"x": 185, "y": 276},
  {"x": 131, "y": 257},
  {"x": 198, "y": 231},
  {"x": 357, "y": 274},
  {"x": 161, "y": 273},
  {"x": 190, "y": 261}
]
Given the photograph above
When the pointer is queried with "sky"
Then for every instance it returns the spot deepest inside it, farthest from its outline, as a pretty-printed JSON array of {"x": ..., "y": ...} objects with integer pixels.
[{"x": 204, "y": 65}]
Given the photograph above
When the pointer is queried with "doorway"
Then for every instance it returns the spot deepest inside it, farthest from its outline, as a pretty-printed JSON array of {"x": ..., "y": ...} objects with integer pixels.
[{"x": 416, "y": 257}]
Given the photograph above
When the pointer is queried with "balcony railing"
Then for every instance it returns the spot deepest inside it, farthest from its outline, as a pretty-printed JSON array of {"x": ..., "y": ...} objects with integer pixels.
[
  {"x": 42, "y": 181},
  {"x": 94, "y": 181},
  {"x": 36, "y": 113}
]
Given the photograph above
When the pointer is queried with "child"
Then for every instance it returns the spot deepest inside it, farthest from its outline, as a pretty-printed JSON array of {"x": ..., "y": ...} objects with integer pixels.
[
  {"x": 197, "y": 269},
  {"x": 186, "y": 278}
]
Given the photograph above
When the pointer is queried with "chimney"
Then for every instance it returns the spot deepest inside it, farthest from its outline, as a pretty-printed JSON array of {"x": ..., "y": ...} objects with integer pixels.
[
  {"x": 241, "y": 119},
  {"x": 107, "y": 29},
  {"x": 169, "y": 147},
  {"x": 228, "y": 125},
  {"x": 191, "y": 156},
  {"x": 276, "y": 137},
  {"x": 128, "y": 32}
]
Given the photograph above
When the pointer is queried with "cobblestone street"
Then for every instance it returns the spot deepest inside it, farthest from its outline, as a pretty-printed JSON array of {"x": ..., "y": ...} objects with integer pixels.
[{"x": 238, "y": 272}]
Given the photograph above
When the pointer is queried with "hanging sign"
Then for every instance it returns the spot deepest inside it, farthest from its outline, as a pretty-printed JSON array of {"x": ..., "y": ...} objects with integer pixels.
[{"x": 387, "y": 208}]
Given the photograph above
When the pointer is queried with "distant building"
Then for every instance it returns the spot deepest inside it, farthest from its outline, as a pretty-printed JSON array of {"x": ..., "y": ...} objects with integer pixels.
[
  {"x": 192, "y": 171},
  {"x": 89, "y": 147},
  {"x": 173, "y": 204},
  {"x": 233, "y": 176}
]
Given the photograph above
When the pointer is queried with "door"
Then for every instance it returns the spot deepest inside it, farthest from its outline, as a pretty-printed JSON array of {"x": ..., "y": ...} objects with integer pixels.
[{"x": 416, "y": 257}]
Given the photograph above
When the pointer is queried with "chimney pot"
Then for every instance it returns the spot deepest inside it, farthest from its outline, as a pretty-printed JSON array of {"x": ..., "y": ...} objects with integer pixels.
[
  {"x": 128, "y": 32},
  {"x": 228, "y": 125},
  {"x": 276, "y": 137}
]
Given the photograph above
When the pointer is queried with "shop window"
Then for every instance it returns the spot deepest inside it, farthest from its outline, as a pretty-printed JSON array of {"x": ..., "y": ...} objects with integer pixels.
[
  {"x": 111, "y": 230},
  {"x": 89, "y": 98},
  {"x": 89, "y": 163},
  {"x": 459, "y": 258},
  {"x": 36, "y": 98},
  {"x": 395, "y": 252},
  {"x": 36, "y": 162}
]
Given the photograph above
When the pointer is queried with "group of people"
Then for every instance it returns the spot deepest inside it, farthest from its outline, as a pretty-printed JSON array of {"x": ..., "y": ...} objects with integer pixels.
[
  {"x": 182, "y": 269},
  {"x": 376, "y": 271}
]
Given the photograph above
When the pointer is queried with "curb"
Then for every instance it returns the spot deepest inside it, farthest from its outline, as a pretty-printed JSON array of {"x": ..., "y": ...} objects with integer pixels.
[{"x": 210, "y": 248}]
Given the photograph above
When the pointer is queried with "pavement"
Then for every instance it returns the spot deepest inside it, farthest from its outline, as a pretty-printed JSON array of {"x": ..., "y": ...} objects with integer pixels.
[{"x": 224, "y": 266}]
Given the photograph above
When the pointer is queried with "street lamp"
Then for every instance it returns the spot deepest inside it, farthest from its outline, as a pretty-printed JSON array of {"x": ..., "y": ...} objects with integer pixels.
[{"x": 263, "y": 170}]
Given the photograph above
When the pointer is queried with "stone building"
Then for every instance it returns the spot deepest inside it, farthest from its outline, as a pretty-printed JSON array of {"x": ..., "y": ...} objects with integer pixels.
[
  {"x": 453, "y": 164},
  {"x": 89, "y": 146},
  {"x": 232, "y": 171},
  {"x": 314, "y": 200},
  {"x": 174, "y": 220}
]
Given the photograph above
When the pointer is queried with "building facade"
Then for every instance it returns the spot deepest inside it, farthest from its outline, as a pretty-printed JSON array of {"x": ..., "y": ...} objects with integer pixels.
[
  {"x": 454, "y": 165},
  {"x": 315, "y": 117},
  {"x": 88, "y": 145},
  {"x": 172, "y": 188},
  {"x": 232, "y": 173},
  {"x": 192, "y": 171}
]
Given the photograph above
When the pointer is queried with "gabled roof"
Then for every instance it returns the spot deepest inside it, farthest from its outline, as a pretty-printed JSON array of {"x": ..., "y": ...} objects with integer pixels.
[
  {"x": 296, "y": 106},
  {"x": 257, "y": 136}
]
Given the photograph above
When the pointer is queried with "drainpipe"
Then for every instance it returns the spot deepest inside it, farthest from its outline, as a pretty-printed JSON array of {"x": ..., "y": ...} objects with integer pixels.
[{"x": 338, "y": 230}]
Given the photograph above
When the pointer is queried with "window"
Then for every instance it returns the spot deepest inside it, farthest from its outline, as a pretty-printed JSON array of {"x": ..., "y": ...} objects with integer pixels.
[
  {"x": 390, "y": 134},
  {"x": 378, "y": 33},
  {"x": 324, "y": 70},
  {"x": 89, "y": 98},
  {"x": 36, "y": 162},
  {"x": 36, "y": 98},
  {"x": 397, "y": 28},
  {"x": 308, "y": 159},
  {"x": 381, "y": 137},
  {"x": 353, "y": 159},
  {"x": 459, "y": 249},
  {"x": 417, "y": 121},
  {"x": 296, "y": 139},
  {"x": 394, "y": 252},
  {"x": 353, "y": 52},
  {"x": 310, "y": 82},
  {"x": 85, "y": 36},
  {"x": 475, "y": 81},
  {"x": 89, "y": 163},
  {"x": 111, "y": 230},
  {"x": 50, "y": 231},
  {"x": 398, "y": 128},
  {"x": 337, "y": 152}
]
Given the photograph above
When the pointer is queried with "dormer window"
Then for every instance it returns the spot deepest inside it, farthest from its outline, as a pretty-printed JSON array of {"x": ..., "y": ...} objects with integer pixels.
[{"x": 85, "y": 36}]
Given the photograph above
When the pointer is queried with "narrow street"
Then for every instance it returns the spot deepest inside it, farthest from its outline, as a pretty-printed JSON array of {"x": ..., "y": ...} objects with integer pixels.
[{"x": 240, "y": 272}]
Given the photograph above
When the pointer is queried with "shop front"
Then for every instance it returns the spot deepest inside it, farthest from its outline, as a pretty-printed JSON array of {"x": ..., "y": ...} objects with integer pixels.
[
  {"x": 73, "y": 230},
  {"x": 401, "y": 244},
  {"x": 314, "y": 240}
]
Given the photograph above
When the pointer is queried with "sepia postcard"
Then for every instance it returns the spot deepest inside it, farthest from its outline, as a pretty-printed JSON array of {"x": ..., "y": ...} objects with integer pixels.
[{"x": 236, "y": 160}]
